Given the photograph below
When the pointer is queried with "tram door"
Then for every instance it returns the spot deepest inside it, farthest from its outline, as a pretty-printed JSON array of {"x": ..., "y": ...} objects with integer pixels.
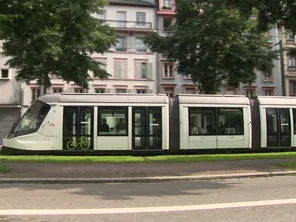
[
  {"x": 278, "y": 127},
  {"x": 78, "y": 128},
  {"x": 147, "y": 128}
]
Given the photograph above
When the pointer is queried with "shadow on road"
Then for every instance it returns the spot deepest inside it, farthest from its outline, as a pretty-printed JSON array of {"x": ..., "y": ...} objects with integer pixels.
[{"x": 125, "y": 191}]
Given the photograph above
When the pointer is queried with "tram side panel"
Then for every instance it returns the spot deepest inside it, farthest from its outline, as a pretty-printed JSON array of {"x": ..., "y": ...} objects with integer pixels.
[
  {"x": 117, "y": 134},
  {"x": 215, "y": 127},
  {"x": 234, "y": 127}
]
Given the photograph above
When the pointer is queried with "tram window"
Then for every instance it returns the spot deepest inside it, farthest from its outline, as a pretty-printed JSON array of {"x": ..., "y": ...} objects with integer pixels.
[
  {"x": 202, "y": 121},
  {"x": 32, "y": 119},
  {"x": 230, "y": 121},
  {"x": 70, "y": 123},
  {"x": 113, "y": 121}
]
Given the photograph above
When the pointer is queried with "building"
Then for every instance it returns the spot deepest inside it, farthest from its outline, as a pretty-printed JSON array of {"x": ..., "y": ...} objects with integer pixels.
[
  {"x": 168, "y": 80},
  {"x": 130, "y": 62},
  {"x": 264, "y": 85},
  {"x": 10, "y": 97},
  {"x": 288, "y": 41}
]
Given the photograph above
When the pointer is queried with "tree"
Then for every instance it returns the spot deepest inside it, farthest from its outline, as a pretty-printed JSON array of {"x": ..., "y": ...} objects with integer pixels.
[
  {"x": 214, "y": 45},
  {"x": 55, "y": 37},
  {"x": 280, "y": 13}
]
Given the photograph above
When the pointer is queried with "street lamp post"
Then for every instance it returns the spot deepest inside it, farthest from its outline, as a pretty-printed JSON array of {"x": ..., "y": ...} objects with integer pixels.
[{"x": 282, "y": 68}]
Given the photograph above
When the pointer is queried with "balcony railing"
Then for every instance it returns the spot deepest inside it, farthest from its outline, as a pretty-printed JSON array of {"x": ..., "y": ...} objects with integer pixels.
[{"x": 129, "y": 25}]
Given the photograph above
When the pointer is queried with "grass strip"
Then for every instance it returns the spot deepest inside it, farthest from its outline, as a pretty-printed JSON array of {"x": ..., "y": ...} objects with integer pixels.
[
  {"x": 4, "y": 168},
  {"x": 148, "y": 159},
  {"x": 290, "y": 165}
]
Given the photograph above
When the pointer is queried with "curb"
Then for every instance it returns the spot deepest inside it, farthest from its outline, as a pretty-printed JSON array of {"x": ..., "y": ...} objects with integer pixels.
[{"x": 144, "y": 179}]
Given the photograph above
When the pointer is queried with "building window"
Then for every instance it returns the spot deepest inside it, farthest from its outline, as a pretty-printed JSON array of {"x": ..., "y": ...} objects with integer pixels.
[
  {"x": 290, "y": 37},
  {"x": 121, "y": 19},
  {"x": 113, "y": 121},
  {"x": 267, "y": 78},
  {"x": 103, "y": 64},
  {"x": 121, "y": 45},
  {"x": 36, "y": 92},
  {"x": 268, "y": 35},
  {"x": 80, "y": 90},
  {"x": 250, "y": 93},
  {"x": 292, "y": 62},
  {"x": 268, "y": 92},
  {"x": 101, "y": 15},
  {"x": 57, "y": 90},
  {"x": 216, "y": 121},
  {"x": 170, "y": 91},
  {"x": 4, "y": 73},
  {"x": 143, "y": 69},
  {"x": 229, "y": 91},
  {"x": 141, "y": 91},
  {"x": 120, "y": 69},
  {"x": 167, "y": 4},
  {"x": 141, "y": 18},
  {"x": 121, "y": 90},
  {"x": 140, "y": 46},
  {"x": 100, "y": 90},
  {"x": 189, "y": 90},
  {"x": 167, "y": 22},
  {"x": 168, "y": 70},
  {"x": 292, "y": 87}
]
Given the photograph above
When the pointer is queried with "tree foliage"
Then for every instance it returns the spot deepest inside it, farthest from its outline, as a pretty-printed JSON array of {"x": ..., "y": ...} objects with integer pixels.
[
  {"x": 214, "y": 45},
  {"x": 280, "y": 13},
  {"x": 54, "y": 37}
]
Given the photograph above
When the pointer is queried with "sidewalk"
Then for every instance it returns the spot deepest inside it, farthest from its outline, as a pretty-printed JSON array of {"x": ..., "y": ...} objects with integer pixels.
[{"x": 142, "y": 172}]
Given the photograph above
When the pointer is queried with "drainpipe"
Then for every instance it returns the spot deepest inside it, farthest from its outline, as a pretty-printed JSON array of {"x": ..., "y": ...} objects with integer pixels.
[{"x": 157, "y": 74}]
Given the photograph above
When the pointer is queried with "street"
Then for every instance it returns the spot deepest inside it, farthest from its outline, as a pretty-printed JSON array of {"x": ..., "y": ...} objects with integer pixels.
[{"x": 257, "y": 199}]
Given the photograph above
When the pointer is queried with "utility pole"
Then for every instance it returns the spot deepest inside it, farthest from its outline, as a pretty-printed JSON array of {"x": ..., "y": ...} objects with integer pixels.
[{"x": 282, "y": 68}]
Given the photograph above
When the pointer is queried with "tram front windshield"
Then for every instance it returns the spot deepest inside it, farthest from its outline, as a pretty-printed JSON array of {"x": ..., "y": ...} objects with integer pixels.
[{"x": 32, "y": 119}]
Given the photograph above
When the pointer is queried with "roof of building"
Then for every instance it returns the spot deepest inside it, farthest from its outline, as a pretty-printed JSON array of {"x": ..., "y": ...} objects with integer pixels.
[{"x": 132, "y": 2}]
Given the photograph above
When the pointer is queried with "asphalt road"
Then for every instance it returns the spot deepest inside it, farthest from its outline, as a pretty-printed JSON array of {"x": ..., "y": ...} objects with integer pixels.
[{"x": 260, "y": 199}]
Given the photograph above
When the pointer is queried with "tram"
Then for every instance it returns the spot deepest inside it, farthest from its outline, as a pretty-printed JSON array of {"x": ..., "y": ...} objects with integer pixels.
[
  {"x": 142, "y": 123},
  {"x": 91, "y": 122}
]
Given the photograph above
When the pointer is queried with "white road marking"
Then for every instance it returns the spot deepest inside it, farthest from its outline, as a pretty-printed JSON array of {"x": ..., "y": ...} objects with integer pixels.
[{"x": 19, "y": 212}]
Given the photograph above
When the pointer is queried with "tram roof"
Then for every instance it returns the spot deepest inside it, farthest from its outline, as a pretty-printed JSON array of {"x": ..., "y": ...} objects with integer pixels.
[
  {"x": 104, "y": 98},
  {"x": 276, "y": 100},
  {"x": 212, "y": 99}
]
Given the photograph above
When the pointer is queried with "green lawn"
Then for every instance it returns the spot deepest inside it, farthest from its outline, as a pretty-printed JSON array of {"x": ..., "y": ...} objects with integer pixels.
[
  {"x": 291, "y": 165},
  {"x": 148, "y": 159},
  {"x": 4, "y": 168}
]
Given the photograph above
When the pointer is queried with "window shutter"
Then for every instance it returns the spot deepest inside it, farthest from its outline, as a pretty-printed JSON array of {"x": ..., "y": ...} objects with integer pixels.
[
  {"x": 123, "y": 70},
  {"x": 124, "y": 43},
  {"x": 133, "y": 43},
  {"x": 149, "y": 71},
  {"x": 138, "y": 70},
  {"x": 144, "y": 71},
  {"x": 117, "y": 70}
]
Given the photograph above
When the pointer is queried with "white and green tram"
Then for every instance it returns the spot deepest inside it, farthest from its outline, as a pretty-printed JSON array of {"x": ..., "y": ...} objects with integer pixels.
[{"x": 92, "y": 122}]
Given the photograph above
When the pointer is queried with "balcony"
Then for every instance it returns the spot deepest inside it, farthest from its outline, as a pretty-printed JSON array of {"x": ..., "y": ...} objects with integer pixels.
[{"x": 130, "y": 26}]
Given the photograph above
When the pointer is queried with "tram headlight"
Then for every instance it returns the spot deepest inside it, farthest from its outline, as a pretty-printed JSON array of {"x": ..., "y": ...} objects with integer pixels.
[{"x": 9, "y": 136}]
